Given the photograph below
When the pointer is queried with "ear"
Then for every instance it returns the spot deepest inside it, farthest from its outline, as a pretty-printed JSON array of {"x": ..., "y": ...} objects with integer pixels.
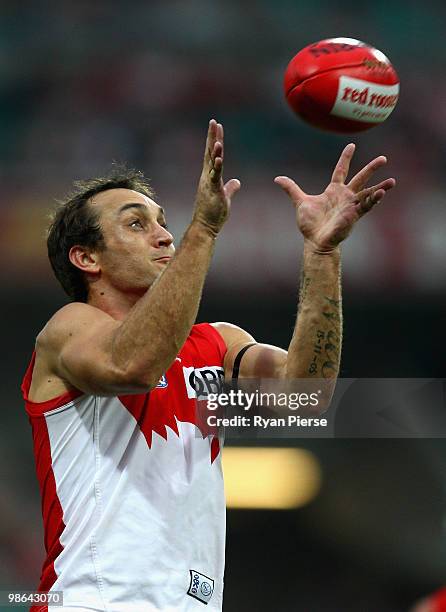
[{"x": 84, "y": 259}]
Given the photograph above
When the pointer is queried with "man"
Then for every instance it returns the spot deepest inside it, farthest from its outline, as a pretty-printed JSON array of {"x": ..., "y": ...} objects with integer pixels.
[{"x": 133, "y": 501}]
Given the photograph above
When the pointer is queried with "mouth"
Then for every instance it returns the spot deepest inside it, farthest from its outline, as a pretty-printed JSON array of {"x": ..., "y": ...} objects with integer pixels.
[{"x": 165, "y": 259}]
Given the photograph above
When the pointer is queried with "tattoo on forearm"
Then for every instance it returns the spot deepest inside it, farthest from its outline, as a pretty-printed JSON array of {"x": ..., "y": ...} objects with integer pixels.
[
  {"x": 326, "y": 348},
  {"x": 317, "y": 350},
  {"x": 334, "y": 303},
  {"x": 332, "y": 348},
  {"x": 304, "y": 284}
]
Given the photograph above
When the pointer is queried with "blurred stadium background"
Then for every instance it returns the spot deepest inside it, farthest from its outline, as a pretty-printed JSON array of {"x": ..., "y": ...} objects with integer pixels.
[{"x": 84, "y": 83}]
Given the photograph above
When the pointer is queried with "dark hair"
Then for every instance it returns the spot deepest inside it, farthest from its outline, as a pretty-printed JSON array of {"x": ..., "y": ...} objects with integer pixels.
[{"x": 75, "y": 222}]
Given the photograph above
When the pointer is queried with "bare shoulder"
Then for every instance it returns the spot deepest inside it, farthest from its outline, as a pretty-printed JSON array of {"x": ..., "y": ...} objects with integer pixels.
[
  {"x": 75, "y": 321},
  {"x": 232, "y": 334},
  {"x": 65, "y": 322}
]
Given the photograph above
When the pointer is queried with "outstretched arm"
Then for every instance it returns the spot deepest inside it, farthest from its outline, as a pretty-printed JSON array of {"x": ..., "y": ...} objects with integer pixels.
[
  {"x": 95, "y": 353},
  {"x": 325, "y": 220}
]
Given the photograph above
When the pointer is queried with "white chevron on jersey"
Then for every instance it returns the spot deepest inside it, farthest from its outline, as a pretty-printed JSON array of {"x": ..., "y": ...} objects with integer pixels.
[{"x": 137, "y": 518}]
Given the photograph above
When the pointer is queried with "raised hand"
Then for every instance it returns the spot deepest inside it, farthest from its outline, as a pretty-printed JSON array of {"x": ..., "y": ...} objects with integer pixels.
[
  {"x": 213, "y": 198},
  {"x": 325, "y": 220}
]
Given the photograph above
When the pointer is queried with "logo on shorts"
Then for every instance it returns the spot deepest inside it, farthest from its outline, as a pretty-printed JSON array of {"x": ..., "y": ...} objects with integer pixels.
[
  {"x": 206, "y": 589},
  {"x": 201, "y": 587}
]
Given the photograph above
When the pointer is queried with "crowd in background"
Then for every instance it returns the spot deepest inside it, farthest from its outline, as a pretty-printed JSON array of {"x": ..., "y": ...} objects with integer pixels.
[{"x": 86, "y": 83}]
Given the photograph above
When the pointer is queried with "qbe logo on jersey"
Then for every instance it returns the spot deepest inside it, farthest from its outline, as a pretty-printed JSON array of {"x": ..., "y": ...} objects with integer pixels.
[
  {"x": 201, "y": 587},
  {"x": 202, "y": 381}
]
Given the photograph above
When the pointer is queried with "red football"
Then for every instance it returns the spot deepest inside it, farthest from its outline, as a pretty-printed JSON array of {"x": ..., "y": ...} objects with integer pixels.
[{"x": 341, "y": 85}]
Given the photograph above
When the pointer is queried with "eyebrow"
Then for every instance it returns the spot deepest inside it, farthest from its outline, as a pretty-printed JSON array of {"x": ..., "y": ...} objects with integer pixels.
[{"x": 143, "y": 207}]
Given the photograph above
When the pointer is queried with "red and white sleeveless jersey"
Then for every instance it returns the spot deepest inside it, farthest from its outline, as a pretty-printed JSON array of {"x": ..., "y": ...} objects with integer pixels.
[{"x": 132, "y": 491}]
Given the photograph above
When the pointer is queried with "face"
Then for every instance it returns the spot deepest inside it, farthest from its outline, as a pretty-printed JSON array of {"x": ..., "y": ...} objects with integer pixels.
[{"x": 138, "y": 246}]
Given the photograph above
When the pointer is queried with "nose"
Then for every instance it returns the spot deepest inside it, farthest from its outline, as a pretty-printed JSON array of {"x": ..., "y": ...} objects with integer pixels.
[{"x": 162, "y": 237}]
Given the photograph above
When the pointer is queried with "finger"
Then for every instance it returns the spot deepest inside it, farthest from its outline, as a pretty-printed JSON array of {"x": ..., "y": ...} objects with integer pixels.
[
  {"x": 291, "y": 188},
  {"x": 220, "y": 138},
  {"x": 210, "y": 140},
  {"x": 217, "y": 151},
  {"x": 369, "y": 201},
  {"x": 386, "y": 185},
  {"x": 216, "y": 170},
  {"x": 215, "y": 163},
  {"x": 373, "y": 195},
  {"x": 342, "y": 167},
  {"x": 220, "y": 132},
  {"x": 232, "y": 187},
  {"x": 363, "y": 176}
]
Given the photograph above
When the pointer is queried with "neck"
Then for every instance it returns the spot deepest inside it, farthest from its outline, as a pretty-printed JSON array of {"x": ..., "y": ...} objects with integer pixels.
[{"x": 114, "y": 302}]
